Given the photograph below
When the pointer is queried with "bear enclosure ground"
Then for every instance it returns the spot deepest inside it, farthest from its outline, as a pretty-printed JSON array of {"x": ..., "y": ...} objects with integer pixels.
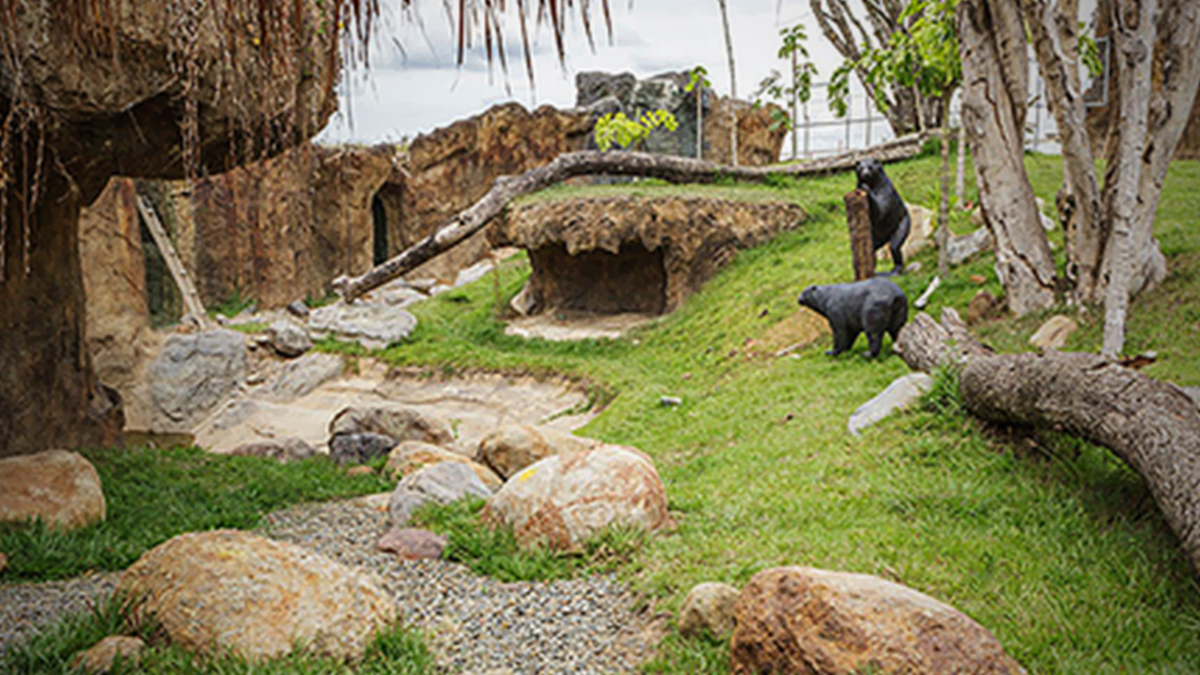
[{"x": 1053, "y": 545}]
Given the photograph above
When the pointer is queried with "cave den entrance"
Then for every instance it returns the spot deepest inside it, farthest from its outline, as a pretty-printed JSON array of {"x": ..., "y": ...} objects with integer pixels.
[{"x": 380, "y": 238}]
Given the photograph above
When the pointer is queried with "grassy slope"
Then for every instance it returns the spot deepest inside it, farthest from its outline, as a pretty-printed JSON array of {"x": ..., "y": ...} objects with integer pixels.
[{"x": 1060, "y": 552}]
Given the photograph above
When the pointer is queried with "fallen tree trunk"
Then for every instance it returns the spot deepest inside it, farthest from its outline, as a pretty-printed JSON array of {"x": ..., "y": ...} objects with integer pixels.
[
  {"x": 1153, "y": 426},
  {"x": 568, "y": 165}
]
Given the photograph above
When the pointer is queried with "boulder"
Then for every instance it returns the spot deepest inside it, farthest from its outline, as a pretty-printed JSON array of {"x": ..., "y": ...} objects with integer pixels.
[
  {"x": 1193, "y": 393},
  {"x": 512, "y": 447},
  {"x": 1053, "y": 333},
  {"x": 288, "y": 338},
  {"x": 285, "y": 450},
  {"x": 803, "y": 620},
  {"x": 410, "y": 543},
  {"x": 412, "y": 456},
  {"x": 232, "y": 590},
  {"x": 102, "y": 656},
  {"x": 708, "y": 607},
  {"x": 60, "y": 487},
  {"x": 298, "y": 309},
  {"x": 3, "y": 561},
  {"x": 901, "y": 393},
  {"x": 192, "y": 374},
  {"x": 961, "y": 248},
  {"x": 359, "y": 448},
  {"x": 302, "y": 376},
  {"x": 373, "y": 325},
  {"x": 440, "y": 483},
  {"x": 398, "y": 422},
  {"x": 565, "y": 499}
]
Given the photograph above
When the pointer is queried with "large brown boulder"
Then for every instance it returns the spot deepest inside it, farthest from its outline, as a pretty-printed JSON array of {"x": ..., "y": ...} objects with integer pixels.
[
  {"x": 62, "y": 488},
  {"x": 512, "y": 447},
  {"x": 412, "y": 456},
  {"x": 237, "y": 591},
  {"x": 804, "y": 621},
  {"x": 566, "y": 499}
]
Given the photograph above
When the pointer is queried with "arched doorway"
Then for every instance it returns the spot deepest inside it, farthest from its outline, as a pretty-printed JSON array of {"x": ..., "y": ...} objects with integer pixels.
[{"x": 379, "y": 213}]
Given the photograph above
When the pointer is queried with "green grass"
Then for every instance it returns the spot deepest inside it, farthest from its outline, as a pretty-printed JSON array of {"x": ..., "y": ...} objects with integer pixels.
[
  {"x": 153, "y": 495},
  {"x": 494, "y": 551},
  {"x": 396, "y": 650},
  {"x": 1052, "y": 544}
]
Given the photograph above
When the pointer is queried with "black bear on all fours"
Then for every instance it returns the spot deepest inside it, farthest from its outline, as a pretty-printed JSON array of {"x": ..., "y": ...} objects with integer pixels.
[
  {"x": 875, "y": 306},
  {"x": 890, "y": 221}
]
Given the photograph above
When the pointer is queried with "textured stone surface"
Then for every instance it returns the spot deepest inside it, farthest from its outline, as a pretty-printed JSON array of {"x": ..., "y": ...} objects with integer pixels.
[
  {"x": 303, "y": 375},
  {"x": 399, "y": 422},
  {"x": 512, "y": 447},
  {"x": 412, "y": 456},
  {"x": 813, "y": 622},
  {"x": 359, "y": 448},
  {"x": 227, "y": 589},
  {"x": 193, "y": 374},
  {"x": 443, "y": 483},
  {"x": 289, "y": 338},
  {"x": 708, "y": 607},
  {"x": 101, "y": 657},
  {"x": 901, "y": 393},
  {"x": 285, "y": 450},
  {"x": 410, "y": 543},
  {"x": 1053, "y": 334},
  {"x": 633, "y": 254},
  {"x": 984, "y": 306},
  {"x": 961, "y": 248},
  {"x": 565, "y": 499},
  {"x": 62, "y": 488},
  {"x": 373, "y": 325}
]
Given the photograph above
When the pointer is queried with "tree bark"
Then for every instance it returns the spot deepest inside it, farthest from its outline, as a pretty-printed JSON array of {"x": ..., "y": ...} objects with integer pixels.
[
  {"x": 733, "y": 117},
  {"x": 858, "y": 219},
  {"x": 567, "y": 165},
  {"x": 992, "y": 43},
  {"x": 1052, "y": 29},
  {"x": 942, "y": 236},
  {"x": 926, "y": 345},
  {"x": 1151, "y": 425},
  {"x": 1133, "y": 41}
]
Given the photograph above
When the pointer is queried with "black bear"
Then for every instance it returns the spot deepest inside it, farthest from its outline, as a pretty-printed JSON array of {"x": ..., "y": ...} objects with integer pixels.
[
  {"x": 876, "y": 306},
  {"x": 890, "y": 221}
]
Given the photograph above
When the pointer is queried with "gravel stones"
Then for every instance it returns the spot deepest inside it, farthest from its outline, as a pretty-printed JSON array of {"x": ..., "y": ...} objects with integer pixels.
[
  {"x": 441, "y": 483},
  {"x": 804, "y": 620},
  {"x": 60, "y": 487},
  {"x": 228, "y": 589},
  {"x": 27, "y": 608},
  {"x": 566, "y": 499}
]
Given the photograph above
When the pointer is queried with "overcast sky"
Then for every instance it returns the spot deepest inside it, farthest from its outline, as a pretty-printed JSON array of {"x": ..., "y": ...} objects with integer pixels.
[{"x": 421, "y": 88}]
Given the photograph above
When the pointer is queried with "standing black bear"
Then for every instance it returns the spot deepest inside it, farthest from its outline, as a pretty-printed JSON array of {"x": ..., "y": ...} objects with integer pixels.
[
  {"x": 876, "y": 306},
  {"x": 890, "y": 221}
]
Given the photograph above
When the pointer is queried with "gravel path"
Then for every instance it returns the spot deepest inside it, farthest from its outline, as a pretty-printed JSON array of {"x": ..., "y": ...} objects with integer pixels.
[{"x": 474, "y": 625}]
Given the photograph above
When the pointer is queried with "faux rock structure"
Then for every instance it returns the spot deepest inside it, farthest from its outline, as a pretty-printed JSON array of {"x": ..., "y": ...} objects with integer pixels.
[{"x": 633, "y": 254}]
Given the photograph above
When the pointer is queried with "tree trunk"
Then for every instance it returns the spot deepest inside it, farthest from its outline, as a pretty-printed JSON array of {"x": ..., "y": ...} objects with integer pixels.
[
  {"x": 733, "y": 117},
  {"x": 1052, "y": 29},
  {"x": 567, "y": 165},
  {"x": 1133, "y": 42},
  {"x": 858, "y": 219},
  {"x": 942, "y": 236},
  {"x": 699, "y": 120},
  {"x": 961, "y": 169},
  {"x": 1151, "y": 425},
  {"x": 49, "y": 396},
  {"x": 992, "y": 43},
  {"x": 926, "y": 346}
]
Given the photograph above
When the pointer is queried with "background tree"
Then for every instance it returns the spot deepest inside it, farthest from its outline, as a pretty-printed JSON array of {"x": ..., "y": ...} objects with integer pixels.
[
  {"x": 696, "y": 83},
  {"x": 799, "y": 87},
  {"x": 1111, "y": 251},
  {"x": 733, "y": 120},
  {"x": 907, "y": 110}
]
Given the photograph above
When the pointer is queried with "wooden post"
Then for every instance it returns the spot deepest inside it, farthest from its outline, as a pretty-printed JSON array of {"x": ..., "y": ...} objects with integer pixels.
[
  {"x": 858, "y": 217},
  {"x": 191, "y": 299}
]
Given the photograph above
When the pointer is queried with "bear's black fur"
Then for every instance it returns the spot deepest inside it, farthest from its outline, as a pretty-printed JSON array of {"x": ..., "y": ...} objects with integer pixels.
[
  {"x": 890, "y": 221},
  {"x": 876, "y": 306}
]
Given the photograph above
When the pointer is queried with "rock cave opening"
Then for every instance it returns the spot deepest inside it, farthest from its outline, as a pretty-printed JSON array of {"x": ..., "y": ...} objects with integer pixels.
[
  {"x": 632, "y": 280},
  {"x": 380, "y": 237}
]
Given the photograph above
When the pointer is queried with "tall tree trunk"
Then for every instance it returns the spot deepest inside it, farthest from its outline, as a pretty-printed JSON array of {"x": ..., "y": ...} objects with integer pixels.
[
  {"x": 942, "y": 236},
  {"x": 995, "y": 84},
  {"x": 699, "y": 120},
  {"x": 1052, "y": 27},
  {"x": 1133, "y": 41},
  {"x": 960, "y": 170},
  {"x": 733, "y": 116}
]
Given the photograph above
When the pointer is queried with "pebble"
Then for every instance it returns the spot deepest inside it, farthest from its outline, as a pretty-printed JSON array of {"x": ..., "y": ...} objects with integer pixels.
[{"x": 473, "y": 624}]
